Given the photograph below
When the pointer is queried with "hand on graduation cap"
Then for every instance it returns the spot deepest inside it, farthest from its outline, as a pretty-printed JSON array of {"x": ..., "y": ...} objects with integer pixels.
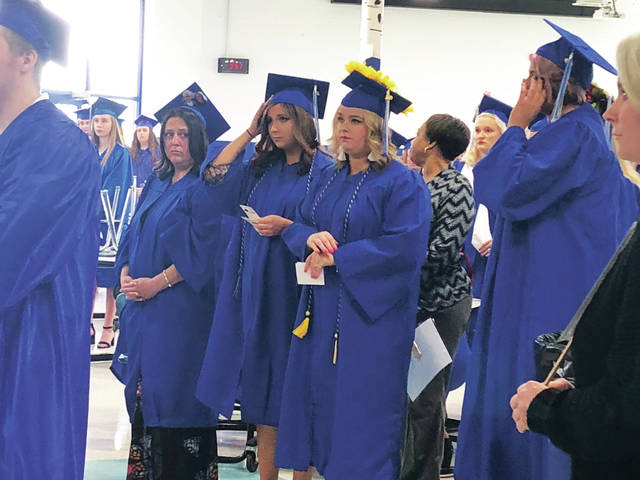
[
  {"x": 141, "y": 289},
  {"x": 258, "y": 119},
  {"x": 316, "y": 262},
  {"x": 322, "y": 242},
  {"x": 526, "y": 393},
  {"x": 532, "y": 97},
  {"x": 271, "y": 225}
]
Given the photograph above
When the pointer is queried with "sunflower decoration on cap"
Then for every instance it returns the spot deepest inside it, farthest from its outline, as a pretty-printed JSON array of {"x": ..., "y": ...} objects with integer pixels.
[{"x": 373, "y": 91}]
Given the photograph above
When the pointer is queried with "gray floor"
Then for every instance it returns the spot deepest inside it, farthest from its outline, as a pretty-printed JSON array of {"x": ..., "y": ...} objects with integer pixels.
[{"x": 109, "y": 433}]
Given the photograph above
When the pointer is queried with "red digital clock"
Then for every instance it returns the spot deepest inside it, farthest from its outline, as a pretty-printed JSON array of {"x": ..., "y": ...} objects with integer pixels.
[{"x": 233, "y": 65}]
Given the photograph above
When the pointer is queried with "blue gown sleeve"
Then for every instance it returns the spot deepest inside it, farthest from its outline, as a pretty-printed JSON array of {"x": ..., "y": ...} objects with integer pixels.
[
  {"x": 122, "y": 257},
  {"x": 375, "y": 270},
  {"x": 41, "y": 228},
  {"x": 295, "y": 235},
  {"x": 520, "y": 178},
  {"x": 191, "y": 235},
  {"x": 226, "y": 195},
  {"x": 119, "y": 173}
]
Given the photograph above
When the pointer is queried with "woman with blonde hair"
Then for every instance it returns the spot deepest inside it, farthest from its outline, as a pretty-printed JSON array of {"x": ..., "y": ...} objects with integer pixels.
[
  {"x": 258, "y": 294},
  {"x": 362, "y": 231},
  {"x": 596, "y": 420},
  {"x": 490, "y": 124},
  {"x": 115, "y": 165}
]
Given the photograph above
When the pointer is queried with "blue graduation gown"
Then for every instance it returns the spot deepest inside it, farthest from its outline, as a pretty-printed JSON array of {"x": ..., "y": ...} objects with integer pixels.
[
  {"x": 116, "y": 172},
  {"x": 165, "y": 337},
  {"x": 249, "y": 342},
  {"x": 347, "y": 419},
  {"x": 143, "y": 168},
  {"x": 48, "y": 256},
  {"x": 562, "y": 206}
]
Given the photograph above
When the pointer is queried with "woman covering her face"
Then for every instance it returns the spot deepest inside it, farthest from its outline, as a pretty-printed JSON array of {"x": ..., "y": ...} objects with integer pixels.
[
  {"x": 596, "y": 420},
  {"x": 167, "y": 317},
  {"x": 364, "y": 226},
  {"x": 256, "y": 308},
  {"x": 562, "y": 207}
]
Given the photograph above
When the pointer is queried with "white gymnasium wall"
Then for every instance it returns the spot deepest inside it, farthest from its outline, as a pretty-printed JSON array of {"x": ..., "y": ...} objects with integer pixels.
[{"x": 442, "y": 60}]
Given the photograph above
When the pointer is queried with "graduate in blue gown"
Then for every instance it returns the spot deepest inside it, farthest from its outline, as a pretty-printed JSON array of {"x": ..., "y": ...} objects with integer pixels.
[
  {"x": 366, "y": 222},
  {"x": 167, "y": 318},
  {"x": 83, "y": 119},
  {"x": 490, "y": 123},
  {"x": 48, "y": 255},
  {"x": 562, "y": 206},
  {"x": 256, "y": 309},
  {"x": 115, "y": 166},
  {"x": 145, "y": 149}
]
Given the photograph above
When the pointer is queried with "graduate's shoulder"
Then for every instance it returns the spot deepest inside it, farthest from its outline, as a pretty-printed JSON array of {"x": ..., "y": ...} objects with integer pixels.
[
  {"x": 121, "y": 150},
  {"x": 322, "y": 161},
  {"x": 397, "y": 178},
  {"x": 44, "y": 120},
  {"x": 46, "y": 132}
]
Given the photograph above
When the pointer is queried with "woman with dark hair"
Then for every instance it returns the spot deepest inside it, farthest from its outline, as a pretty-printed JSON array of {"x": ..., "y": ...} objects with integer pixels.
[
  {"x": 167, "y": 317},
  {"x": 445, "y": 286},
  {"x": 596, "y": 420},
  {"x": 145, "y": 149},
  {"x": 256, "y": 309},
  {"x": 562, "y": 206},
  {"x": 364, "y": 226}
]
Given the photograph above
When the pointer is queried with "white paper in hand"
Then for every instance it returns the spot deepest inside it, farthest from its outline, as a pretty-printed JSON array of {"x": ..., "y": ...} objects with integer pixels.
[
  {"x": 251, "y": 214},
  {"x": 433, "y": 357},
  {"x": 481, "y": 229},
  {"x": 304, "y": 278}
]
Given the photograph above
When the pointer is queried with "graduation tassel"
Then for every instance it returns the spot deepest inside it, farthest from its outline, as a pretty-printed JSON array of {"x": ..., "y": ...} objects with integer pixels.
[
  {"x": 385, "y": 136},
  {"x": 335, "y": 348},
  {"x": 315, "y": 112},
  {"x": 557, "y": 108},
  {"x": 301, "y": 330}
]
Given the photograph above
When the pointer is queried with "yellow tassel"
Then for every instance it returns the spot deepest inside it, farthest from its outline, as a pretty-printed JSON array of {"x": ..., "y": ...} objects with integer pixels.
[
  {"x": 335, "y": 348},
  {"x": 301, "y": 330}
]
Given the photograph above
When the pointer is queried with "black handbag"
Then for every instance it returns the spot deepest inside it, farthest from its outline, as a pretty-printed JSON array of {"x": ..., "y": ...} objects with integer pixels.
[{"x": 547, "y": 348}]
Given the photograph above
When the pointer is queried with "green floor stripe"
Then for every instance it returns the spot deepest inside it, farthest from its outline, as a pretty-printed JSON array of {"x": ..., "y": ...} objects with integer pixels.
[{"x": 117, "y": 470}]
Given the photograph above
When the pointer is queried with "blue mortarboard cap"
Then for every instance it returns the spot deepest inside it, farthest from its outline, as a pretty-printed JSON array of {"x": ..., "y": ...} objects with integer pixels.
[
  {"x": 104, "y": 106},
  {"x": 194, "y": 99},
  {"x": 47, "y": 32},
  {"x": 370, "y": 95},
  {"x": 398, "y": 140},
  {"x": 584, "y": 57},
  {"x": 495, "y": 107},
  {"x": 372, "y": 91},
  {"x": 144, "y": 121},
  {"x": 83, "y": 113},
  {"x": 297, "y": 91}
]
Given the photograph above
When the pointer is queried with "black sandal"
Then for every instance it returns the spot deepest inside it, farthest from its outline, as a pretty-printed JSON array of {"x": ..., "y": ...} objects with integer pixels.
[{"x": 103, "y": 344}]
